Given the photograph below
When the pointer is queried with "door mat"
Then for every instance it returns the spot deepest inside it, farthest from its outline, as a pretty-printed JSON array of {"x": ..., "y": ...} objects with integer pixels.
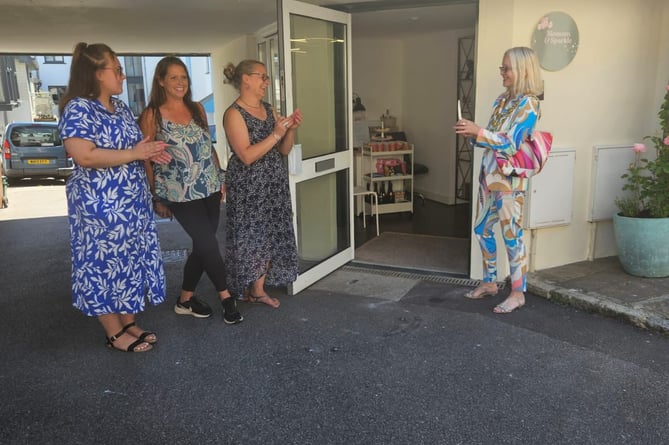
[{"x": 424, "y": 252}]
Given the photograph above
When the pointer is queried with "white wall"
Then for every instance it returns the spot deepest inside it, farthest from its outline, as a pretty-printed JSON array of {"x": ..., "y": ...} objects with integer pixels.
[
  {"x": 415, "y": 77},
  {"x": 54, "y": 74},
  {"x": 430, "y": 98},
  {"x": 609, "y": 94},
  {"x": 378, "y": 66},
  {"x": 234, "y": 52}
]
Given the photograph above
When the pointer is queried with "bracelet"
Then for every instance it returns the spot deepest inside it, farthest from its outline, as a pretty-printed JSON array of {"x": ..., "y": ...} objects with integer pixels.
[{"x": 276, "y": 137}]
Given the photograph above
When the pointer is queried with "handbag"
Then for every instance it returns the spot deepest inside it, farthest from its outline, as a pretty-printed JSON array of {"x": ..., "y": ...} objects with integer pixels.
[{"x": 529, "y": 159}]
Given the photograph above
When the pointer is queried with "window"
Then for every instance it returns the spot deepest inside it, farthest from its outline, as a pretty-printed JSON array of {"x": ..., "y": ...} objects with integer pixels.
[
  {"x": 35, "y": 136},
  {"x": 54, "y": 59},
  {"x": 135, "y": 81},
  {"x": 9, "y": 87}
]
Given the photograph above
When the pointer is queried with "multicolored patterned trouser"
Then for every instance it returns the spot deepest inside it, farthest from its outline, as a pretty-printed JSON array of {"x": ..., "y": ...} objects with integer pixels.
[{"x": 507, "y": 208}]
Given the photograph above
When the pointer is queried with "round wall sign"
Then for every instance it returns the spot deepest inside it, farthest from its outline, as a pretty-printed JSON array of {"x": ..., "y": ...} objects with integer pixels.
[{"x": 555, "y": 40}]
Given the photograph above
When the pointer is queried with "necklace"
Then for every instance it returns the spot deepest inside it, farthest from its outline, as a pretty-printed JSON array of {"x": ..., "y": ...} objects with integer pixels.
[{"x": 248, "y": 105}]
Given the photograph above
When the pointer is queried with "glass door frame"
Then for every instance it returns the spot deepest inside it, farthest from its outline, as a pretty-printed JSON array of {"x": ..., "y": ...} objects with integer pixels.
[{"x": 342, "y": 160}]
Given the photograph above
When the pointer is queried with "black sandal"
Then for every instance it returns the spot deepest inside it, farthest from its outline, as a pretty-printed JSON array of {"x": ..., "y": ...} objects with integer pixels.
[
  {"x": 131, "y": 347},
  {"x": 143, "y": 335}
]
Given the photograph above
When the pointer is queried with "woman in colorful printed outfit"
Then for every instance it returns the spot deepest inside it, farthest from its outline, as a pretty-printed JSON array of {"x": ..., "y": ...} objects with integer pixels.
[
  {"x": 501, "y": 197},
  {"x": 191, "y": 187},
  {"x": 260, "y": 239},
  {"x": 116, "y": 260}
]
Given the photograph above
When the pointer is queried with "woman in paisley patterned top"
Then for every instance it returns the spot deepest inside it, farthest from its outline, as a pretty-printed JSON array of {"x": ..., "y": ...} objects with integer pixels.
[
  {"x": 191, "y": 187},
  {"x": 116, "y": 260},
  {"x": 515, "y": 114},
  {"x": 260, "y": 241}
]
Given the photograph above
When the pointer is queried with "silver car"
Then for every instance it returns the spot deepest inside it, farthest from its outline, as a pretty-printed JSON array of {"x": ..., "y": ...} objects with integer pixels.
[{"x": 34, "y": 149}]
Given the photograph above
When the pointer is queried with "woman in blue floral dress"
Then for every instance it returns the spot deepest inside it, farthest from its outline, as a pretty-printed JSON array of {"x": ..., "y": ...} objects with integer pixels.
[
  {"x": 191, "y": 186},
  {"x": 116, "y": 260},
  {"x": 260, "y": 240}
]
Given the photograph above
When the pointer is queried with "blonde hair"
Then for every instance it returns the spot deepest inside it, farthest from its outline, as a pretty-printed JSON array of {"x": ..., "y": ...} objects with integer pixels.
[
  {"x": 525, "y": 66},
  {"x": 234, "y": 73}
]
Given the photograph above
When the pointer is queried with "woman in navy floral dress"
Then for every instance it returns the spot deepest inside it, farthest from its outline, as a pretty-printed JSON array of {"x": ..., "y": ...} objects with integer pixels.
[
  {"x": 260, "y": 240},
  {"x": 191, "y": 186},
  {"x": 116, "y": 260}
]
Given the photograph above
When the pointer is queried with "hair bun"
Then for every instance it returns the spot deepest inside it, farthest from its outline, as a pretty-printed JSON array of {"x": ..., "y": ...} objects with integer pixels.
[{"x": 229, "y": 72}]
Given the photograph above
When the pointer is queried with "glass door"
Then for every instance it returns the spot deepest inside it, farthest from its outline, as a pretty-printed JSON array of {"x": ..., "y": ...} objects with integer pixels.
[{"x": 315, "y": 57}]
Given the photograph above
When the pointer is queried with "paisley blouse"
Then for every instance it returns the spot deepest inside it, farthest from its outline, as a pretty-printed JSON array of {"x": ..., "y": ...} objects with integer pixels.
[{"x": 192, "y": 172}]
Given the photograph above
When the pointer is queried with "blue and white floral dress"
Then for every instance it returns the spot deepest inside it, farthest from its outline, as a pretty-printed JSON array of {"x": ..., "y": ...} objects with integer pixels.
[{"x": 116, "y": 259}]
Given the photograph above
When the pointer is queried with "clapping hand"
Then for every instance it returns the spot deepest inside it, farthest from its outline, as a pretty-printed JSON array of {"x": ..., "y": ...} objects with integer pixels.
[
  {"x": 162, "y": 158},
  {"x": 295, "y": 119},
  {"x": 153, "y": 150}
]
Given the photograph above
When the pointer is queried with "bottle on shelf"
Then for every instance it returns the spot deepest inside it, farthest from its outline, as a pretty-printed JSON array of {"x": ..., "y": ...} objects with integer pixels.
[
  {"x": 367, "y": 197},
  {"x": 382, "y": 194},
  {"x": 391, "y": 194}
]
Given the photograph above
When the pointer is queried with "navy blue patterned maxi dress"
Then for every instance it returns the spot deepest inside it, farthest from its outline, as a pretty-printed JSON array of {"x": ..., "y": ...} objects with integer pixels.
[
  {"x": 259, "y": 215},
  {"x": 116, "y": 260}
]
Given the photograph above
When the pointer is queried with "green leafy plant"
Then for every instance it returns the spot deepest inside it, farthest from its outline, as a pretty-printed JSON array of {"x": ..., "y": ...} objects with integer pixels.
[{"x": 648, "y": 180}]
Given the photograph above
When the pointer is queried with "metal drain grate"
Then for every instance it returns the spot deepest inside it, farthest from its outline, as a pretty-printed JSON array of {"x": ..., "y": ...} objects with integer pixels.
[
  {"x": 174, "y": 256},
  {"x": 435, "y": 277}
]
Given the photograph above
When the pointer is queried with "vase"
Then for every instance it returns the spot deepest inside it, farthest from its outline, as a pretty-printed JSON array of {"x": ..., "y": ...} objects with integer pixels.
[{"x": 643, "y": 245}]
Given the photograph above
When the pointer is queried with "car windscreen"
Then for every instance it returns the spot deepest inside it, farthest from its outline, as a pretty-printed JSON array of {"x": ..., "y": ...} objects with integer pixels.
[{"x": 35, "y": 136}]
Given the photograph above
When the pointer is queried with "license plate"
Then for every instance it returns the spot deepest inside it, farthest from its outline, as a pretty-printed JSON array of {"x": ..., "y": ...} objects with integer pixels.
[{"x": 38, "y": 161}]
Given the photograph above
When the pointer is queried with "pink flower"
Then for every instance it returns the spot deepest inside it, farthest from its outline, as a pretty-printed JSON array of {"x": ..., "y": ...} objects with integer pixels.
[
  {"x": 667, "y": 87},
  {"x": 544, "y": 23},
  {"x": 666, "y": 140},
  {"x": 639, "y": 148}
]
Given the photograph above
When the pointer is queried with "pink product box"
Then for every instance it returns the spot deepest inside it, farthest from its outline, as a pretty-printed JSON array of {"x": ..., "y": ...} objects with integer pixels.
[{"x": 388, "y": 167}]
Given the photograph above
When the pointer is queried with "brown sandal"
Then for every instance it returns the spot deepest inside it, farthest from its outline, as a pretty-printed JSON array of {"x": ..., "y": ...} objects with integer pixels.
[{"x": 264, "y": 299}]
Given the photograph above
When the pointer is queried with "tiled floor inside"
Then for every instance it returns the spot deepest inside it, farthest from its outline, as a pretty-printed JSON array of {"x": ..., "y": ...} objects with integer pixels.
[{"x": 429, "y": 218}]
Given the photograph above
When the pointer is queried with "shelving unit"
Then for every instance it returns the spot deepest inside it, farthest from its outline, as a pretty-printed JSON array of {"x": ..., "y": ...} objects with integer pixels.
[{"x": 402, "y": 181}]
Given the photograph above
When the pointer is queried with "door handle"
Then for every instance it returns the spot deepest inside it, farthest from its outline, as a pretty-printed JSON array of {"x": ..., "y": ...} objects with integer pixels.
[{"x": 325, "y": 165}]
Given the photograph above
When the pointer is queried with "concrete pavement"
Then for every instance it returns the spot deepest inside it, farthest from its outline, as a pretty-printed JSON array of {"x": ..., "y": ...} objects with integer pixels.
[{"x": 603, "y": 286}]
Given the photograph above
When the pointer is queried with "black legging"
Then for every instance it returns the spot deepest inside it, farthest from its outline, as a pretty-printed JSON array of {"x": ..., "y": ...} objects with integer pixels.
[{"x": 199, "y": 218}]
